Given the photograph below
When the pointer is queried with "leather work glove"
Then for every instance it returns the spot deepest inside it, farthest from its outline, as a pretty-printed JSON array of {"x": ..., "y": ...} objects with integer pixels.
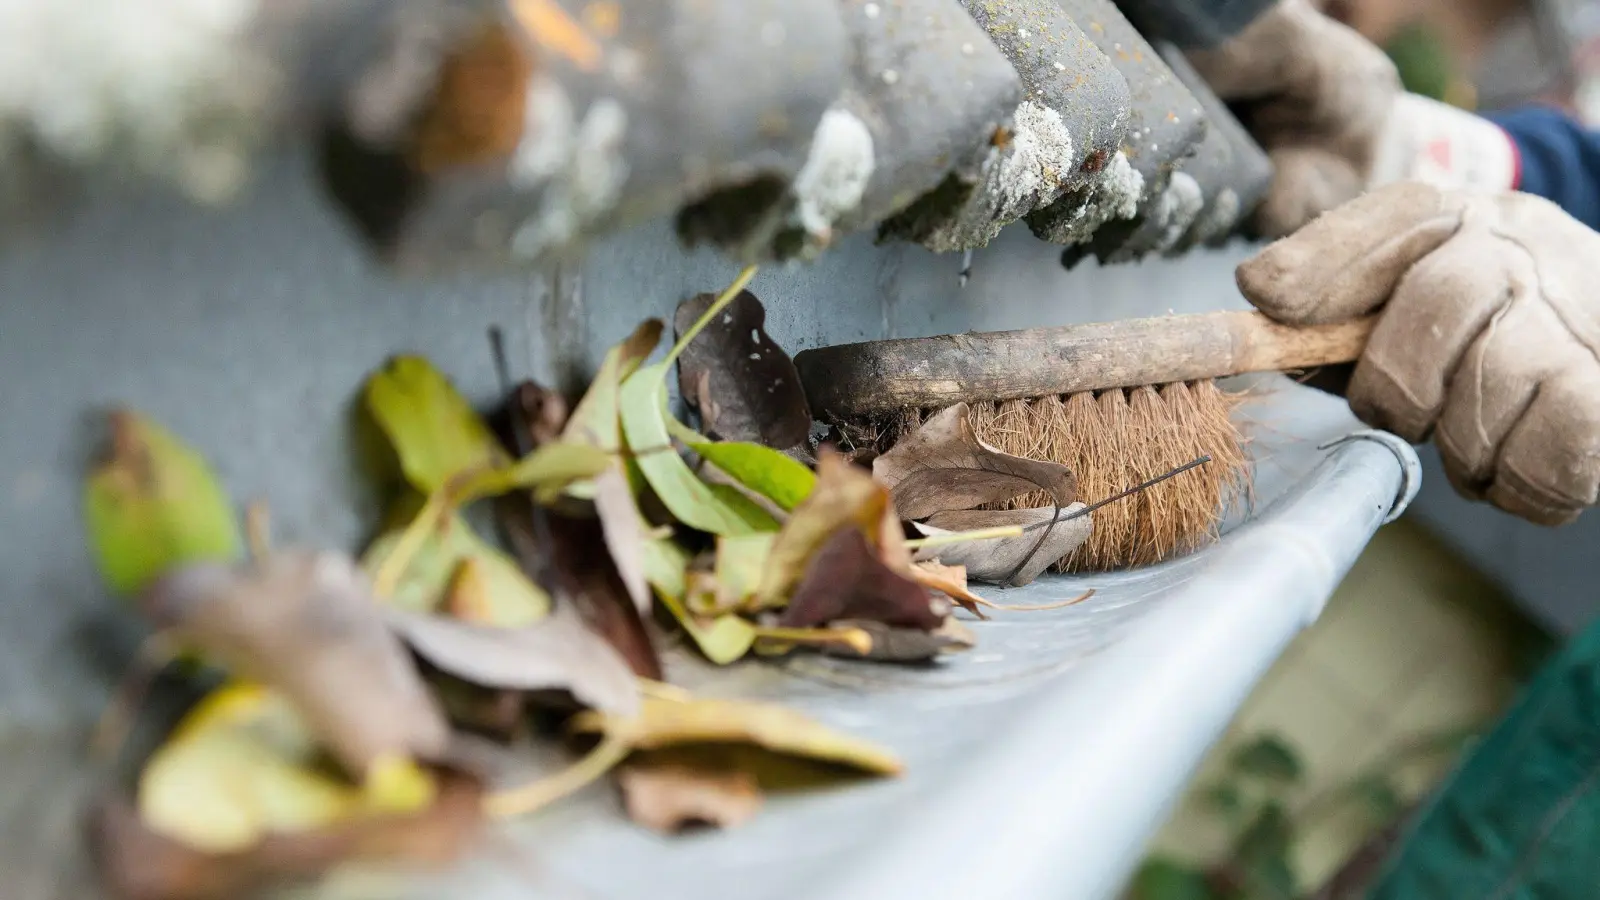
[
  {"x": 1316, "y": 95},
  {"x": 1487, "y": 337}
]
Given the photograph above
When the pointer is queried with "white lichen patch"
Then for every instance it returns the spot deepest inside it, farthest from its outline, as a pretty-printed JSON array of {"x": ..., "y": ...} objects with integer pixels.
[
  {"x": 171, "y": 86},
  {"x": 1219, "y": 219},
  {"x": 1176, "y": 209},
  {"x": 1033, "y": 172},
  {"x": 1028, "y": 173},
  {"x": 1112, "y": 194},
  {"x": 835, "y": 174},
  {"x": 576, "y": 169}
]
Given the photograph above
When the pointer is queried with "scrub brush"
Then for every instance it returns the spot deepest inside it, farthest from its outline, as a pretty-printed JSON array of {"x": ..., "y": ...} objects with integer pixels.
[{"x": 1117, "y": 402}]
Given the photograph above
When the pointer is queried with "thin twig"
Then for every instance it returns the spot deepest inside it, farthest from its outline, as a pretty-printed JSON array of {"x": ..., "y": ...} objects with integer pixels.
[
  {"x": 520, "y": 801},
  {"x": 1041, "y": 607},
  {"x": 854, "y": 638},
  {"x": 1143, "y": 485}
]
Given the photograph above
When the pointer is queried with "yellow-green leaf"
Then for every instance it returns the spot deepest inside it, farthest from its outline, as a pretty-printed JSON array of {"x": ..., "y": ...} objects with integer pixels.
[
  {"x": 154, "y": 504},
  {"x": 546, "y": 471},
  {"x": 723, "y": 639},
  {"x": 665, "y": 721},
  {"x": 595, "y": 419},
  {"x": 501, "y": 594},
  {"x": 242, "y": 766},
  {"x": 776, "y": 476},
  {"x": 740, "y": 563},
  {"x": 690, "y": 500},
  {"x": 433, "y": 429}
]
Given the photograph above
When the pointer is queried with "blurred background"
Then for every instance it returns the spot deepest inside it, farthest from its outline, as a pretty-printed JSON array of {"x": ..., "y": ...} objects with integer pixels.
[{"x": 1357, "y": 723}]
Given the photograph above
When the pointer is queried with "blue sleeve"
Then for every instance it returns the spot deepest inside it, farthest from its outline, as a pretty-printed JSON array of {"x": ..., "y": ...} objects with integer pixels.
[{"x": 1559, "y": 159}]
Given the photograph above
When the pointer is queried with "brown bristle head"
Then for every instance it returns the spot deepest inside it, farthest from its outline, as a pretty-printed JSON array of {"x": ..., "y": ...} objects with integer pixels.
[{"x": 1118, "y": 439}]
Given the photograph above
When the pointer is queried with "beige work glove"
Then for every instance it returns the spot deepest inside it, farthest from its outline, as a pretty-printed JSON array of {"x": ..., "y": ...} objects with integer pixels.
[
  {"x": 1316, "y": 95},
  {"x": 1487, "y": 336}
]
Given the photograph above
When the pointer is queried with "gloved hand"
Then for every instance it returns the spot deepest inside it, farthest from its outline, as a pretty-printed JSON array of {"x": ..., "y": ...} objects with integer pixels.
[
  {"x": 1316, "y": 95},
  {"x": 1488, "y": 334}
]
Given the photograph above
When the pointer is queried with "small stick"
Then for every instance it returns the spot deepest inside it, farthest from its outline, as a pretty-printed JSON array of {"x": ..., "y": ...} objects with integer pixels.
[
  {"x": 1041, "y": 607},
  {"x": 961, "y": 537},
  {"x": 527, "y": 798},
  {"x": 854, "y": 638}
]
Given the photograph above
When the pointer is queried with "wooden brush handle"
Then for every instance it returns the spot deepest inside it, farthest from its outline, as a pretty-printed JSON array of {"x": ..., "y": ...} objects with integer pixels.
[{"x": 879, "y": 376}]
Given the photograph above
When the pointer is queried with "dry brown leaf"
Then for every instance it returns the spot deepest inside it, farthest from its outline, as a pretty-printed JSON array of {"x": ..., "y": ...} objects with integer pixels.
[
  {"x": 582, "y": 574},
  {"x": 942, "y": 466},
  {"x": 744, "y": 384},
  {"x": 555, "y": 653},
  {"x": 847, "y": 580},
  {"x": 137, "y": 863},
  {"x": 306, "y": 623},
  {"x": 891, "y": 644},
  {"x": 950, "y": 581},
  {"x": 845, "y": 495},
  {"x": 670, "y": 797},
  {"x": 1012, "y": 560},
  {"x": 542, "y": 411}
]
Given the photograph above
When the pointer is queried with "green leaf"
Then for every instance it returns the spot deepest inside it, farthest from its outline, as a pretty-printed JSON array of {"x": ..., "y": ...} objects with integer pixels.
[
  {"x": 595, "y": 419},
  {"x": 1380, "y": 797},
  {"x": 434, "y": 431},
  {"x": 723, "y": 639},
  {"x": 1268, "y": 758},
  {"x": 1166, "y": 879},
  {"x": 1262, "y": 851},
  {"x": 498, "y": 593},
  {"x": 154, "y": 504},
  {"x": 776, "y": 476},
  {"x": 1225, "y": 799},
  {"x": 545, "y": 471},
  {"x": 690, "y": 500}
]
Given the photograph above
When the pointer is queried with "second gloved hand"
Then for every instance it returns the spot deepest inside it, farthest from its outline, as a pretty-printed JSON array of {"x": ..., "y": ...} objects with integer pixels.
[
  {"x": 1317, "y": 96},
  {"x": 1488, "y": 337}
]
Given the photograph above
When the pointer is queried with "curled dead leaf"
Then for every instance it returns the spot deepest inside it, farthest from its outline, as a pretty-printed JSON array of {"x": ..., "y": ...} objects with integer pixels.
[
  {"x": 669, "y": 797},
  {"x": 1010, "y": 560},
  {"x": 942, "y": 466},
  {"x": 555, "y": 653},
  {"x": 844, "y": 496},
  {"x": 675, "y": 721},
  {"x": 950, "y": 581},
  {"x": 745, "y": 386},
  {"x": 307, "y": 624},
  {"x": 847, "y": 580}
]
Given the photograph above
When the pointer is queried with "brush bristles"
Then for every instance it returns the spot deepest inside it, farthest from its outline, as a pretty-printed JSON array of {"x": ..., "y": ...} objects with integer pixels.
[{"x": 1115, "y": 440}]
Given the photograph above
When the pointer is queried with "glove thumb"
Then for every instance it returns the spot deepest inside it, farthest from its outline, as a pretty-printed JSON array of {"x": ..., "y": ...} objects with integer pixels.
[{"x": 1347, "y": 262}]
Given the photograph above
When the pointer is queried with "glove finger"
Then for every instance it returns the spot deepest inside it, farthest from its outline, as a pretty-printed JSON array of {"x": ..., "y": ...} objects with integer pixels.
[
  {"x": 1437, "y": 311},
  {"x": 1521, "y": 346},
  {"x": 1306, "y": 182},
  {"x": 1347, "y": 262},
  {"x": 1549, "y": 468}
]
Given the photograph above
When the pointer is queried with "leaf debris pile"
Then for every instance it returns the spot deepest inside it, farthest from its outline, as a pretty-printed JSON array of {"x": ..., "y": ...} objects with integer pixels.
[{"x": 356, "y": 693}]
